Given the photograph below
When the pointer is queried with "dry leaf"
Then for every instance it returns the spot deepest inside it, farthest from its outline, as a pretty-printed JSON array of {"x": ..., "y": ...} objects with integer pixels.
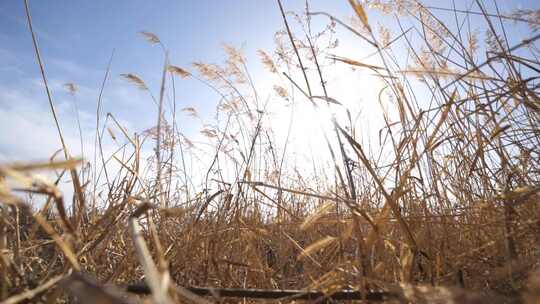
[
  {"x": 360, "y": 12},
  {"x": 318, "y": 245},
  {"x": 312, "y": 219},
  {"x": 209, "y": 133},
  {"x": 355, "y": 63},
  {"x": 406, "y": 261},
  {"x": 71, "y": 88},
  {"x": 178, "y": 71},
  {"x": 191, "y": 111},
  {"x": 150, "y": 37},
  {"x": 136, "y": 80}
]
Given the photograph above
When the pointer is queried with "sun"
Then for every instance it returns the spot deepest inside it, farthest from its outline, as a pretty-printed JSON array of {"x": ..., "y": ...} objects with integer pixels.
[{"x": 304, "y": 125}]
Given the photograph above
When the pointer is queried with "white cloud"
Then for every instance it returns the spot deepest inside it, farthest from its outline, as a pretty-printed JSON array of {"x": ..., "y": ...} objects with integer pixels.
[{"x": 29, "y": 133}]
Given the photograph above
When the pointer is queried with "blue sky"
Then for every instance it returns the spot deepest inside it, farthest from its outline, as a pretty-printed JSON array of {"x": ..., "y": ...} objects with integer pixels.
[{"x": 76, "y": 39}]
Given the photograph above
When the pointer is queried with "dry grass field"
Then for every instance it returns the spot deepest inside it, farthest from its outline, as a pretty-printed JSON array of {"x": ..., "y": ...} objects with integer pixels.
[{"x": 445, "y": 208}]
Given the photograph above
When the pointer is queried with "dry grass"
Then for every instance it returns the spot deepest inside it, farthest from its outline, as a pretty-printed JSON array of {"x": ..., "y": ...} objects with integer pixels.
[{"x": 446, "y": 210}]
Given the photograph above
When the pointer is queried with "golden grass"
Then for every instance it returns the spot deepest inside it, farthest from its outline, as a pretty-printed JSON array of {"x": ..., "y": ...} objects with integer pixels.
[{"x": 451, "y": 213}]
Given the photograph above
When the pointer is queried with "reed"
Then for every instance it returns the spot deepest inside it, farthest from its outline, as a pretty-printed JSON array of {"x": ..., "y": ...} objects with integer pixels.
[{"x": 442, "y": 207}]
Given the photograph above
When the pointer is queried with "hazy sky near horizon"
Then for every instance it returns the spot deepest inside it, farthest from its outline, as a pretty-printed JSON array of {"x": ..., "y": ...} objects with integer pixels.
[{"x": 76, "y": 39}]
